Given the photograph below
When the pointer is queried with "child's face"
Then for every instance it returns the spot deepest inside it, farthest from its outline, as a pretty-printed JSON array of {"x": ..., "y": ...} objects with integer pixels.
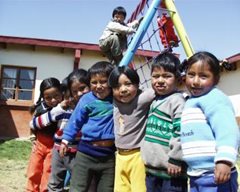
[
  {"x": 78, "y": 89},
  {"x": 126, "y": 91},
  {"x": 199, "y": 79},
  {"x": 52, "y": 97},
  {"x": 99, "y": 86},
  {"x": 163, "y": 82},
  {"x": 119, "y": 18}
]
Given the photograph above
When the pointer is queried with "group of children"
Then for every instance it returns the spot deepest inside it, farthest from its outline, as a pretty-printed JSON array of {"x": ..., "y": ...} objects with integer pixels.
[{"x": 113, "y": 136}]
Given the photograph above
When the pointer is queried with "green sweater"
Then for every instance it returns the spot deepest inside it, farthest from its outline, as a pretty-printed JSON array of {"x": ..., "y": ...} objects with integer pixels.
[{"x": 162, "y": 138}]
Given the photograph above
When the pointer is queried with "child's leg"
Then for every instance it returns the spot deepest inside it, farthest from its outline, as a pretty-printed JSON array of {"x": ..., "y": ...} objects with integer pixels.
[
  {"x": 35, "y": 168},
  {"x": 46, "y": 168},
  {"x": 207, "y": 184},
  {"x": 81, "y": 173},
  {"x": 58, "y": 172},
  {"x": 105, "y": 173}
]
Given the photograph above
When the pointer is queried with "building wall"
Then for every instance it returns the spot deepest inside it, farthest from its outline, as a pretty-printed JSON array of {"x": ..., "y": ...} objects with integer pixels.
[{"x": 50, "y": 62}]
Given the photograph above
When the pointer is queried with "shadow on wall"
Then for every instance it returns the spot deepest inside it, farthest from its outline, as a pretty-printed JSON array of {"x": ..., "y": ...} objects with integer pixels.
[{"x": 14, "y": 121}]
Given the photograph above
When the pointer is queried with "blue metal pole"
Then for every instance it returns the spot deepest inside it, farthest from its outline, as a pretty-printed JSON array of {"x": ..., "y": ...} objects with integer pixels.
[{"x": 140, "y": 33}]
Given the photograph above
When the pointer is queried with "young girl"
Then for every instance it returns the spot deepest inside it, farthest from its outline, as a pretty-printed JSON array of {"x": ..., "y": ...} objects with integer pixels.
[
  {"x": 93, "y": 115},
  {"x": 161, "y": 149},
  {"x": 75, "y": 85},
  {"x": 131, "y": 106},
  {"x": 209, "y": 132},
  {"x": 40, "y": 161}
]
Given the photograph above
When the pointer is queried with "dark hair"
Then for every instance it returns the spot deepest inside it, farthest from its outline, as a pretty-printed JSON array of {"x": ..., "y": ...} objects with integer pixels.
[
  {"x": 80, "y": 75},
  {"x": 208, "y": 58},
  {"x": 46, "y": 84},
  {"x": 129, "y": 72},
  {"x": 169, "y": 62},
  {"x": 101, "y": 67},
  {"x": 119, "y": 10}
]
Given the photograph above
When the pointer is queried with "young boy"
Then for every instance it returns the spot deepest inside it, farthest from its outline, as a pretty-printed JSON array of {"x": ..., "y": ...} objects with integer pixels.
[
  {"x": 161, "y": 150},
  {"x": 96, "y": 149},
  {"x": 114, "y": 38},
  {"x": 131, "y": 106}
]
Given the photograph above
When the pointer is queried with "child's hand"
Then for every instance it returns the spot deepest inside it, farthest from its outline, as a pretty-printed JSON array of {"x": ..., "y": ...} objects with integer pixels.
[
  {"x": 222, "y": 172},
  {"x": 63, "y": 149},
  {"x": 64, "y": 104},
  {"x": 174, "y": 170}
]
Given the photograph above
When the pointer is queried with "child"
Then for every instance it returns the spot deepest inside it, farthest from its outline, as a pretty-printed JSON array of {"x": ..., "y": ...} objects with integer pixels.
[
  {"x": 40, "y": 161},
  {"x": 209, "y": 132},
  {"x": 114, "y": 38},
  {"x": 94, "y": 117},
  {"x": 131, "y": 106},
  {"x": 161, "y": 150},
  {"x": 75, "y": 85}
]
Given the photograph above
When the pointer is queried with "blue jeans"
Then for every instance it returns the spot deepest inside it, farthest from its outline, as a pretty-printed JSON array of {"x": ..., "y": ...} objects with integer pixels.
[
  {"x": 206, "y": 184},
  {"x": 157, "y": 184}
]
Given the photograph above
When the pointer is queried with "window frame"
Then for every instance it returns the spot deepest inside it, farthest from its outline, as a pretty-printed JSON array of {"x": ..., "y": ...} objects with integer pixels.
[{"x": 15, "y": 101}]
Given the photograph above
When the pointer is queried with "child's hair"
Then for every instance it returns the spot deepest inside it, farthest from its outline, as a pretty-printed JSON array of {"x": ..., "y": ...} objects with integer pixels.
[
  {"x": 46, "y": 84},
  {"x": 207, "y": 58},
  {"x": 119, "y": 10},
  {"x": 168, "y": 62},
  {"x": 129, "y": 72},
  {"x": 80, "y": 75},
  {"x": 101, "y": 67}
]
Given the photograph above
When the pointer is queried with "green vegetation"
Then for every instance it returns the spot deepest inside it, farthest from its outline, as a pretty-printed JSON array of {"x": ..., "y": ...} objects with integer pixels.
[{"x": 15, "y": 150}]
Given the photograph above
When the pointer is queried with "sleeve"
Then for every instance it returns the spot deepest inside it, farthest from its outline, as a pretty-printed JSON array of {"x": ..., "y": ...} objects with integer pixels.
[
  {"x": 220, "y": 115},
  {"x": 175, "y": 152},
  {"x": 119, "y": 28},
  {"x": 39, "y": 122},
  {"x": 133, "y": 24},
  {"x": 77, "y": 120}
]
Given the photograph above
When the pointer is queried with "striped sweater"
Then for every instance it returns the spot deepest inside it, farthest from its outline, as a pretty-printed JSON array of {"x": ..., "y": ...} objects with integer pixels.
[
  {"x": 209, "y": 132},
  {"x": 162, "y": 138},
  {"x": 61, "y": 116}
]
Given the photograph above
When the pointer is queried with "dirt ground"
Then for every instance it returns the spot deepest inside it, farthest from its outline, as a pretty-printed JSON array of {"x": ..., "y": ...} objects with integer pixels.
[{"x": 12, "y": 176}]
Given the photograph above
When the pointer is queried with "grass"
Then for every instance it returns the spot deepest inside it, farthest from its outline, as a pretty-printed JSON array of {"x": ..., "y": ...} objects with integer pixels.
[
  {"x": 14, "y": 156},
  {"x": 15, "y": 150}
]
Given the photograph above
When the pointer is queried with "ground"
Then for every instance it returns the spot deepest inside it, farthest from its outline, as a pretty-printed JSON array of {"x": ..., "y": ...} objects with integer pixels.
[{"x": 12, "y": 176}]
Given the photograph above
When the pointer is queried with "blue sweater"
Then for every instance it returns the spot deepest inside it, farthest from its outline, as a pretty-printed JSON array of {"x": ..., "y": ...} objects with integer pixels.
[
  {"x": 95, "y": 119},
  {"x": 209, "y": 132}
]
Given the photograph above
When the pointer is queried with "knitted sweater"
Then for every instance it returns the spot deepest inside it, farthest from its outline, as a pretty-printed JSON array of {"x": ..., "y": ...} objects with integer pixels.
[
  {"x": 162, "y": 139},
  {"x": 94, "y": 117},
  {"x": 130, "y": 119},
  {"x": 61, "y": 116},
  {"x": 209, "y": 132},
  {"x": 49, "y": 129}
]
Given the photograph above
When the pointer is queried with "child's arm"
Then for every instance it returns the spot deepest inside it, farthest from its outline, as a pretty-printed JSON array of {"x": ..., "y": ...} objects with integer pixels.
[
  {"x": 47, "y": 118},
  {"x": 175, "y": 162},
  {"x": 119, "y": 28}
]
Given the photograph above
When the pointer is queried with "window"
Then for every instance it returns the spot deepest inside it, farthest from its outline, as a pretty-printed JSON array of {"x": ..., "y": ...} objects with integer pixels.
[{"x": 17, "y": 83}]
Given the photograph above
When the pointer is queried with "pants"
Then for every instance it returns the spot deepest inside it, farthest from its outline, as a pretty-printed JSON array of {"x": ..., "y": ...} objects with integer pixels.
[
  {"x": 113, "y": 46},
  {"x": 86, "y": 167},
  {"x": 157, "y": 184},
  {"x": 39, "y": 167},
  {"x": 59, "y": 169},
  {"x": 206, "y": 184},
  {"x": 129, "y": 173}
]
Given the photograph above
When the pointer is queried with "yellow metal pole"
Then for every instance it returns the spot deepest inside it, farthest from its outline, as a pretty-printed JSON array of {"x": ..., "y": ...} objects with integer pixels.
[{"x": 179, "y": 27}]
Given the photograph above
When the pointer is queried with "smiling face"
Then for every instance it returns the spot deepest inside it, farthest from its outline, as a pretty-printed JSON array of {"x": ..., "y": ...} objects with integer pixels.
[
  {"x": 199, "y": 79},
  {"x": 126, "y": 91},
  {"x": 99, "y": 86},
  {"x": 78, "y": 89},
  {"x": 163, "y": 82},
  {"x": 52, "y": 97}
]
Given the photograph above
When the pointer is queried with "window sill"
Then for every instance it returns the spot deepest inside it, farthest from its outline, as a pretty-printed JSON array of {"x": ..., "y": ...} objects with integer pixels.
[{"x": 11, "y": 102}]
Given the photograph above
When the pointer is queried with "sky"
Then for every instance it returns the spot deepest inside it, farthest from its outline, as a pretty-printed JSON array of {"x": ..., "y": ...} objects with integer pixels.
[{"x": 211, "y": 25}]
